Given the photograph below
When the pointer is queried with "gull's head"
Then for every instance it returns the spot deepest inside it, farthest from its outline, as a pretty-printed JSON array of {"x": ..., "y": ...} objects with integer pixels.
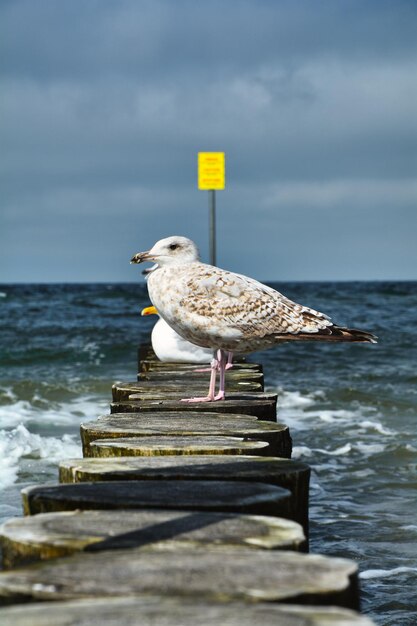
[{"x": 174, "y": 250}]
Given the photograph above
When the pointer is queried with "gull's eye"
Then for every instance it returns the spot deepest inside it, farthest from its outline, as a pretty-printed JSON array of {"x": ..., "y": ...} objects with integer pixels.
[{"x": 173, "y": 246}]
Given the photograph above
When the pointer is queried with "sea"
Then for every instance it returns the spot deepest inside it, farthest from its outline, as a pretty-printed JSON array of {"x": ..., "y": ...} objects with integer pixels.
[{"x": 352, "y": 410}]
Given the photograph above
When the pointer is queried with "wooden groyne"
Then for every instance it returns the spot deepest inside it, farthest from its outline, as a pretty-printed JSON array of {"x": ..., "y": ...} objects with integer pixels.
[{"x": 177, "y": 514}]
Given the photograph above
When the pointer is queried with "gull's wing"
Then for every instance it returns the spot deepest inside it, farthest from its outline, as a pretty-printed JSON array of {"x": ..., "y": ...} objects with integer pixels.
[{"x": 245, "y": 305}]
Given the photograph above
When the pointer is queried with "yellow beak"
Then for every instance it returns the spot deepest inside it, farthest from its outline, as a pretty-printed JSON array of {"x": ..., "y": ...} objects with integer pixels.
[{"x": 149, "y": 310}]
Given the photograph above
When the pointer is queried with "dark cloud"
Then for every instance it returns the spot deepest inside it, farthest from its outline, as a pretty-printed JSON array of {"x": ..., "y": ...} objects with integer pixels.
[
  {"x": 92, "y": 38},
  {"x": 105, "y": 105}
]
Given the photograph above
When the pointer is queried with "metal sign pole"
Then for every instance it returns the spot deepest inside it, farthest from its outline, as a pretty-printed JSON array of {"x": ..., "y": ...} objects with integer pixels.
[{"x": 212, "y": 225}]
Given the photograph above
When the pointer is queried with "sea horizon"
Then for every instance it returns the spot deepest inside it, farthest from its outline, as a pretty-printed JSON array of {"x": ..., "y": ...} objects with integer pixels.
[{"x": 275, "y": 280}]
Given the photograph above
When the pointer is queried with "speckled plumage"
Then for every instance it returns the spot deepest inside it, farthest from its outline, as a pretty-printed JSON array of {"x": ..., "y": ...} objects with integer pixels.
[{"x": 216, "y": 309}]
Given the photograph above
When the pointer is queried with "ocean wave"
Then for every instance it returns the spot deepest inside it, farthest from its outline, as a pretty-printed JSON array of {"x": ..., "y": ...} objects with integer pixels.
[
  {"x": 59, "y": 414},
  {"x": 295, "y": 399},
  {"x": 298, "y": 452},
  {"x": 338, "y": 451},
  {"x": 305, "y": 407},
  {"x": 334, "y": 415},
  {"x": 385, "y": 573},
  {"x": 369, "y": 448},
  {"x": 368, "y": 424},
  {"x": 314, "y": 404},
  {"x": 19, "y": 443},
  {"x": 365, "y": 449},
  {"x": 294, "y": 407}
]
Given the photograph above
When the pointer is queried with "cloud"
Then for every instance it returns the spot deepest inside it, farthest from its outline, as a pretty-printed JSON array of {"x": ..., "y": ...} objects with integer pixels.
[
  {"x": 358, "y": 194},
  {"x": 91, "y": 38},
  {"x": 105, "y": 106}
]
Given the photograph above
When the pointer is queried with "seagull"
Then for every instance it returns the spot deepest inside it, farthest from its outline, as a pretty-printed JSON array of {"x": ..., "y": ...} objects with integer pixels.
[
  {"x": 217, "y": 309},
  {"x": 170, "y": 346}
]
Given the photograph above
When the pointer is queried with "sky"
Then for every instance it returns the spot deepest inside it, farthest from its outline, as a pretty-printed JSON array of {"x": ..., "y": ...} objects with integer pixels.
[{"x": 106, "y": 103}]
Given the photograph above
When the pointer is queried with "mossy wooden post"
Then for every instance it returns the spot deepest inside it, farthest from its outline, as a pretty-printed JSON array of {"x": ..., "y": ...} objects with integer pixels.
[
  {"x": 201, "y": 527},
  {"x": 203, "y": 495},
  {"x": 251, "y": 575},
  {"x": 177, "y": 446},
  {"x": 52, "y": 535},
  {"x": 148, "y": 389},
  {"x": 189, "y": 423},
  {"x": 260, "y": 405},
  {"x": 174, "y": 610},
  {"x": 291, "y": 475}
]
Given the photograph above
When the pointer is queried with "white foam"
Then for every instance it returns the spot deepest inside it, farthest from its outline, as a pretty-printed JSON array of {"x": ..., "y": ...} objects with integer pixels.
[
  {"x": 293, "y": 407},
  {"x": 13, "y": 414},
  {"x": 365, "y": 449},
  {"x": 336, "y": 415},
  {"x": 338, "y": 451},
  {"x": 294, "y": 399},
  {"x": 298, "y": 452},
  {"x": 70, "y": 413},
  {"x": 369, "y": 448},
  {"x": 20, "y": 443},
  {"x": 385, "y": 573},
  {"x": 3, "y": 294},
  {"x": 327, "y": 416},
  {"x": 368, "y": 424},
  {"x": 299, "y": 412}
]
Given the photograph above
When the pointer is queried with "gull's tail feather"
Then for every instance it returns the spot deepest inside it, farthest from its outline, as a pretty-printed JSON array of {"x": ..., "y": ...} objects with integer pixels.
[
  {"x": 354, "y": 334},
  {"x": 332, "y": 333}
]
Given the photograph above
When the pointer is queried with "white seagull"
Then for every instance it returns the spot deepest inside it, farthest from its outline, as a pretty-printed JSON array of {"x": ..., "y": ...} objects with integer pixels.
[
  {"x": 170, "y": 346},
  {"x": 223, "y": 311}
]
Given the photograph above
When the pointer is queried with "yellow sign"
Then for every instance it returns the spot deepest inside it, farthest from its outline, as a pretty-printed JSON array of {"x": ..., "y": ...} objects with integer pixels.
[{"x": 211, "y": 173}]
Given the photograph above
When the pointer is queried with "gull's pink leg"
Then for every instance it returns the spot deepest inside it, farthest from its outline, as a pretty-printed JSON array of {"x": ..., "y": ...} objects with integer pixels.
[
  {"x": 208, "y": 369},
  {"x": 221, "y": 358},
  {"x": 229, "y": 364},
  {"x": 210, "y": 397}
]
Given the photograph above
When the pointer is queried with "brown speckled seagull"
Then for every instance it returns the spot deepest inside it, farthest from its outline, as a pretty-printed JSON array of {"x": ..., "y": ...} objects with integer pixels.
[{"x": 217, "y": 309}]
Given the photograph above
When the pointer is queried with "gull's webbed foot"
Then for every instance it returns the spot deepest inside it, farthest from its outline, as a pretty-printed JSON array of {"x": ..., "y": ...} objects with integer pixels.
[{"x": 205, "y": 399}]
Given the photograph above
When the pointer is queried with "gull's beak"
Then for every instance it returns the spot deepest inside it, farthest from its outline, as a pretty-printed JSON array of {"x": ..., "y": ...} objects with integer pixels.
[
  {"x": 149, "y": 310},
  {"x": 140, "y": 257}
]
